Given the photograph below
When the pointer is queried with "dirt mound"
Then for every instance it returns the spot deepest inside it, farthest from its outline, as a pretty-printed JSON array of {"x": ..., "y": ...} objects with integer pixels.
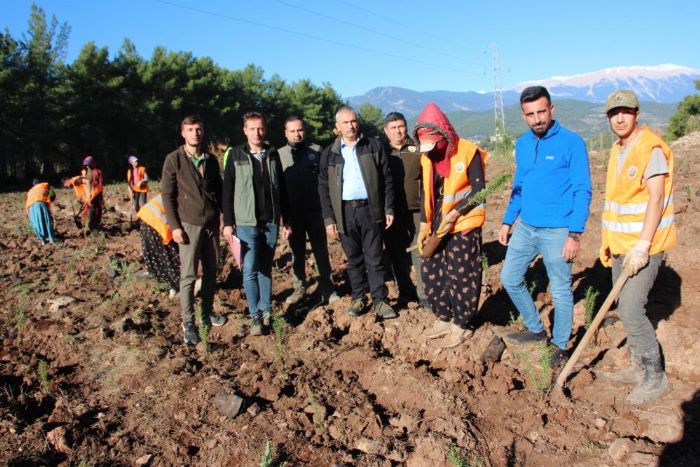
[{"x": 93, "y": 369}]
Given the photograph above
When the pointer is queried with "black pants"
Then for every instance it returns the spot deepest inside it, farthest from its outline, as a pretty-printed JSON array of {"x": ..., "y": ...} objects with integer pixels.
[
  {"x": 362, "y": 244},
  {"x": 310, "y": 224},
  {"x": 139, "y": 199},
  {"x": 396, "y": 239}
]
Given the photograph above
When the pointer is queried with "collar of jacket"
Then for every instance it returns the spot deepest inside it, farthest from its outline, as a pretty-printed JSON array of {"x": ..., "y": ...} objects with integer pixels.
[
  {"x": 336, "y": 144},
  {"x": 553, "y": 130},
  {"x": 266, "y": 147},
  {"x": 404, "y": 147}
]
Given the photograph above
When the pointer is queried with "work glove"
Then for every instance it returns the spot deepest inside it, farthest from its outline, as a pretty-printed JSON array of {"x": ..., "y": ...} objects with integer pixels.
[
  {"x": 447, "y": 223},
  {"x": 637, "y": 258},
  {"x": 605, "y": 256},
  {"x": 423, "y": 235}
]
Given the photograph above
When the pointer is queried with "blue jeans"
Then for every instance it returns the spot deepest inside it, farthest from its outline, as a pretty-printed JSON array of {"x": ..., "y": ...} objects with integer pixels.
[
  {"x": 525, "y": 244},
  {"x": 257, "y": 250}
]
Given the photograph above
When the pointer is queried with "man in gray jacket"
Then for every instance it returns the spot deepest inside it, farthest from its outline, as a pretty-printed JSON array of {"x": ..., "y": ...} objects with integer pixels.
[
  {"x": 300, "y": 160},
  {"x": 357, "y": 201},
  {"x": 191, "y": 189}
]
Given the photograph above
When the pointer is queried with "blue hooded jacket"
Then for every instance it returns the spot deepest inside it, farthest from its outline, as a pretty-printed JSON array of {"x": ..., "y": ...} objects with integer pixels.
[{"x": 552, "y": 183}]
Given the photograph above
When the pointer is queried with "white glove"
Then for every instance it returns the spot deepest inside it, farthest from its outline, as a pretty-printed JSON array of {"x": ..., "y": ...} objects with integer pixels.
[{"x": 637, "y": 258}]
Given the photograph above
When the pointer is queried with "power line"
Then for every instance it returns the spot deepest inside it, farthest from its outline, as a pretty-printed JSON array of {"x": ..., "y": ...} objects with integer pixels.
[
  {"x": 411, "y": 27},
  {"x": 370, "y": 30},
  {"x": 311, "y": 36}
]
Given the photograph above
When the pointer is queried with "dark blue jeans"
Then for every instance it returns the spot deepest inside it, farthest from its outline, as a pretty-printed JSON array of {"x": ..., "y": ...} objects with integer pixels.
[{"x": 257, "y": 250}]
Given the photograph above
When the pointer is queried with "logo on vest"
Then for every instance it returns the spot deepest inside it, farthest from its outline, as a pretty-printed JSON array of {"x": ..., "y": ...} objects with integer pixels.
[
  {"x": 459, "y": 167},
  {"x": 631, "y": 172},
  {"x": 312, "y": 157},
  {"x": 411, "y": 148}
]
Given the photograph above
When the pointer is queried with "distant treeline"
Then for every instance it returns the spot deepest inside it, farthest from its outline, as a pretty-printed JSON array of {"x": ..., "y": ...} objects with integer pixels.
[{"x": 52, "y": 114}]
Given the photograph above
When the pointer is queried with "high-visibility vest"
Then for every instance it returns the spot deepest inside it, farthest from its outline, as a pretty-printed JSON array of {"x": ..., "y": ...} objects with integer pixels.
[
  {"x": 140, "y": 175},
  {"x": 80, "y": 188},
  {"x": 627, "y": 199},
  {"x": 37, "y": 193},
  {"x": 153, "y": 214},
  {"x": 455, "y": 187}
]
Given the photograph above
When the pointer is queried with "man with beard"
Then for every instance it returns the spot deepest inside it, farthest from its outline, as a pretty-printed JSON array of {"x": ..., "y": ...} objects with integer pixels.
[{"x": 300, "y": 160}]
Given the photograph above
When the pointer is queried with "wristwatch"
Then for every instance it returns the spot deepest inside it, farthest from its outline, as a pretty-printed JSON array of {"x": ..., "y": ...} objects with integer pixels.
[{"x": 575, "y": 235}]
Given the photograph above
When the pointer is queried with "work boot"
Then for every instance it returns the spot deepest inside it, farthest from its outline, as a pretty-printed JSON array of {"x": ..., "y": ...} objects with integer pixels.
[
  {"x": 631, "y": 374},
  {"x": 525, "y": 337},
  {"x": 384, "y": 311},
  {"x": 455, "y": 337},
  {"x": 654, "y": 383},
  {"x": 256, "y": 327},
  {"x": 191, "y": 336},
  {"x": 557, "y": 356},
  {"x": 438, "y": 329},
  {"x": 297, "y": 295},
  {"x": 357, "y": 307}
]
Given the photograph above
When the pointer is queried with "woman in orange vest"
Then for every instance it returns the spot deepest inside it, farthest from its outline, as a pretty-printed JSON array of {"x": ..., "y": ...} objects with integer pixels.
[
  {"x": 638, "y": 226},
  {"x": 88, "y": 189},
  {"x": 453, "y": 172},
  {"x": 160, "y": 252},
  {"x": 39, "y": 199},
  {"x": 137, "y": 180}
]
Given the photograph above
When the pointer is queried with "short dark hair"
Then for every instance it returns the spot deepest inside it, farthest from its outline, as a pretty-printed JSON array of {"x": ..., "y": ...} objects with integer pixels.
[
  {"x": 392, "y": 117},
  {"x": 533, "y": 93},
  {"x": 191, "y": 120},
  {"x": 253, "y": 115},
  {"x": 292, "y": 118}
]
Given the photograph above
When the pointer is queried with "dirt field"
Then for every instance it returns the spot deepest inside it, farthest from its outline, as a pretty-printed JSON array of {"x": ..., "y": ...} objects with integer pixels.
[{"x": 93, "y": 370}]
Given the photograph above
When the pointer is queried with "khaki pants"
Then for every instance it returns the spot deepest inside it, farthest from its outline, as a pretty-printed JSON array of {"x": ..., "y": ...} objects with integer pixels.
[{"x": 202, "y": 246}]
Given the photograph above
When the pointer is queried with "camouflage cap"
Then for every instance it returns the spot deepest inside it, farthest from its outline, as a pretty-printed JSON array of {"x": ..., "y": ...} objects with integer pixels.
[{"x": 622, "y": 98}]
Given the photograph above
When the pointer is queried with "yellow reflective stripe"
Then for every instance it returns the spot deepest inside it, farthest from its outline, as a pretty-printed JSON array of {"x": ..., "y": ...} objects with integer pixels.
[
  {"x": 632, "y": 208},
  {"x": 635, "y": 227},
  {"x": 457, "y": 196}
]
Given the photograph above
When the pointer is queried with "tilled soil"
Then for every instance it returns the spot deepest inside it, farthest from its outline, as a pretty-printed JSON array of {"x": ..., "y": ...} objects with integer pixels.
[{"x": 93, "y": 370}]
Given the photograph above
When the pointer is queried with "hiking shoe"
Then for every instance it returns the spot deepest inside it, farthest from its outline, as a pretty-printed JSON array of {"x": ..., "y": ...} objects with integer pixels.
[
  {"x": 455, "y": 337},
  {"x": 654, "y": 383},
  {"x": 330, "y": 299},
  {"x": 256, "y": 327},
  {"x": 357, "y": 307},
  {"x": 525, "y": 337},
  {"x": 557, "y": 356},
  {"x": 384, "y": 311},
  {"x": 217, "y": 320},
  {"x": 191, "y": 336},
  {"x": 438, "y": 329},
  {"x": 297, "y": 296}
]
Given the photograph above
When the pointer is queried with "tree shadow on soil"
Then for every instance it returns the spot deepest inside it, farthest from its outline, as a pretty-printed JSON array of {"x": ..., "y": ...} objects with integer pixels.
[{"x": 687, "y": 450}]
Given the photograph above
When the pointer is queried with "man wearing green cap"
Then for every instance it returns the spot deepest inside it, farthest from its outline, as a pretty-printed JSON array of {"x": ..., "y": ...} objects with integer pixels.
[{"x": 638, "y": 227}]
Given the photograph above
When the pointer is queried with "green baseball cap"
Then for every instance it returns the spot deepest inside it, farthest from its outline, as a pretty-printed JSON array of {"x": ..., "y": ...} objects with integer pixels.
[{"x": 622, "y": 98}]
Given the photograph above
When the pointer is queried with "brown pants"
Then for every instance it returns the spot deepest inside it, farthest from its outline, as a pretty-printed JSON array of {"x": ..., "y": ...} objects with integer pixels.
[{"x": 452, "y": 278}]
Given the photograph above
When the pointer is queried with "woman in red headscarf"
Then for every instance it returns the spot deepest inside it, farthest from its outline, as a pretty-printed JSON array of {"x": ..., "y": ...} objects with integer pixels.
[{"x": 453, "y": 172}]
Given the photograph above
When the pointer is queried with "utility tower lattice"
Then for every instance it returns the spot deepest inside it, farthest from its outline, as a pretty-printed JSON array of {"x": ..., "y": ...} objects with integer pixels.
[{"x": 499, "y": 115}]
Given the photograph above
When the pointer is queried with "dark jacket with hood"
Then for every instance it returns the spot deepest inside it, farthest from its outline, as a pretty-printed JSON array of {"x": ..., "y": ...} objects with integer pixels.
[
  {"x": 188, "y": 195},
  {"x": 374, "y": 166}
]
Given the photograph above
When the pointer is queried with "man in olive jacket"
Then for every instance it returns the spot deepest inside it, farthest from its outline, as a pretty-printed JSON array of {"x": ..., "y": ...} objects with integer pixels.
[
  {"x": 357, "y": 198},
  {"x": 191, "y": 189}
]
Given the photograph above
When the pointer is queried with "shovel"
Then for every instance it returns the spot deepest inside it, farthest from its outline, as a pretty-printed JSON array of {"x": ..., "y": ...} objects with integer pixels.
[
  {"x": 76, "y": 219},
  {"x": 612, "y": 296}
]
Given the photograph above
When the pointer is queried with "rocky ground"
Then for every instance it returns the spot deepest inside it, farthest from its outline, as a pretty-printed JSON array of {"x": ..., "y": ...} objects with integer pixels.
[{"x": 93, "y": 371}]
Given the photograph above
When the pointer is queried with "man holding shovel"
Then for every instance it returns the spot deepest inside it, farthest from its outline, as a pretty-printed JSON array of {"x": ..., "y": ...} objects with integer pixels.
[{"x": 638, "y": 227}]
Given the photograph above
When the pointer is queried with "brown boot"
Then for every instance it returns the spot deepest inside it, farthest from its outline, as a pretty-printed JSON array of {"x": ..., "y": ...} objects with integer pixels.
[{"x": 438, "y": 329}]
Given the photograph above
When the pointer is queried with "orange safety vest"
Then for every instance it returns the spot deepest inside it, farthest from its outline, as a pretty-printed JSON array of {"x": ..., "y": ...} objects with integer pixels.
[
  {"x": 80, "y": 188},
  {"x": 626, "y": 198},
  {"x": 140, "y": 175},
  {"x": 37, "y": 193},
  {"x": 455, "y": 188},
  {"x": 153, "y": 214}
]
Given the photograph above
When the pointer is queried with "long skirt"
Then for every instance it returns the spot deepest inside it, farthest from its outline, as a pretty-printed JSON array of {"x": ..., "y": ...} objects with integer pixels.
[
  {"x": 452, "y": 278},
  {"x": 162, "y": 261},
  {"x": 42, "y": 222}
]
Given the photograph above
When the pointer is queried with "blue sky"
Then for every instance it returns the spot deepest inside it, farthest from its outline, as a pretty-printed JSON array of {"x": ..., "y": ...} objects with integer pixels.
[{"x": 359, "y": 45}]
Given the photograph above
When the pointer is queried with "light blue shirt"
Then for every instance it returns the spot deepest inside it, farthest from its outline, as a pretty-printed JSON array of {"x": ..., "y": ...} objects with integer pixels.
[{"x": 353, "y": 183}]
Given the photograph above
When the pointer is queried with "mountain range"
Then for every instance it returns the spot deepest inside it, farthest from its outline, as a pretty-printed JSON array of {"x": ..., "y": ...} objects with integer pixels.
[
  {"x": 662, "y": 84},
  {"x": 579, "y": 99}
]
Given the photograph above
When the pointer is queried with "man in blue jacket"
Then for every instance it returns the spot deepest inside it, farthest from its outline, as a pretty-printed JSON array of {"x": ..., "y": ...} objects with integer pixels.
[{"x": 551, "y": 196}]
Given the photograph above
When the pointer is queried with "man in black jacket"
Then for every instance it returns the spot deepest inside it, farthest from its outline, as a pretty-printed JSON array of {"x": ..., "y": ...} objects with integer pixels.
[
  {"x": 254, "y": 204},
  {"x": 357, "y": 198},
  {"x": 300, "y": 160},
  {"x": 191, "y": 189}
]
